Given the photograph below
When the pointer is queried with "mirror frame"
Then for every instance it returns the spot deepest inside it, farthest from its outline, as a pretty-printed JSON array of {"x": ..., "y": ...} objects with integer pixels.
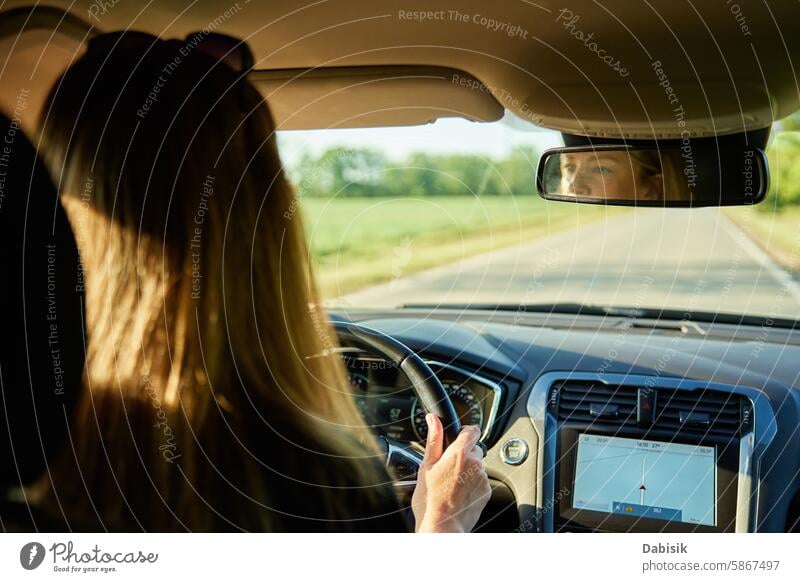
[{"x": 759, "y": 157}]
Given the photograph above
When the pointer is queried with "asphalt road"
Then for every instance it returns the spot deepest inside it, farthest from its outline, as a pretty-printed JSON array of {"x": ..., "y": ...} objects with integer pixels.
[{"x": 684, "y": 259}]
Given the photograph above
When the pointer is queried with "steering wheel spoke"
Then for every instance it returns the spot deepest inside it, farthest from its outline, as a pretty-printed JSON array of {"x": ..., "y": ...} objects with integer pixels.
[{"x": 403, "y": 461}]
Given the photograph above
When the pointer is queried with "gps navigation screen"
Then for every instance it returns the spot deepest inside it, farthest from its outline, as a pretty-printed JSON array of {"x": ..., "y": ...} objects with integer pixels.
[{"x": 638, "y": 478}]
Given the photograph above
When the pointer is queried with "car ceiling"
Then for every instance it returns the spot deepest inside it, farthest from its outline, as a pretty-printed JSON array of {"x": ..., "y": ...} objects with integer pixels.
[{"x": 674, "y": 66}]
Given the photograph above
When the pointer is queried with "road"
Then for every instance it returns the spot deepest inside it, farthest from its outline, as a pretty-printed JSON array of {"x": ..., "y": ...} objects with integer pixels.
[{"x": 685, "y": 259}]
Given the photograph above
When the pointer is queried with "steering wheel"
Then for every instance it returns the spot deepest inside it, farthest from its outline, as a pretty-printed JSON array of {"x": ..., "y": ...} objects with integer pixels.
[{"x": 429, "y": 390}]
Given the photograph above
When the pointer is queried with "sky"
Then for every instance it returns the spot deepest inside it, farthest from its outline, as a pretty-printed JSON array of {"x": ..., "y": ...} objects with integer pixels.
[{"x": 495, "y": 139}]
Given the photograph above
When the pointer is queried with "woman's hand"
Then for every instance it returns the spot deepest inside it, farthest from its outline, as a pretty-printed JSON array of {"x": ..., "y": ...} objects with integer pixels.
[{"x": 452, "y": 486}]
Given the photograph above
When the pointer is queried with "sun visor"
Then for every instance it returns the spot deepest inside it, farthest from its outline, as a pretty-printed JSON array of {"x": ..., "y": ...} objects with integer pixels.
[
  {"x": 672, "y": 112},
  {"x": 348, "y": 97}
]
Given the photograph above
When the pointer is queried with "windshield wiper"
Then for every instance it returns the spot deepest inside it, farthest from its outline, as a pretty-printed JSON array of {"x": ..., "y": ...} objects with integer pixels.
[{"x": 619, "y": 311}]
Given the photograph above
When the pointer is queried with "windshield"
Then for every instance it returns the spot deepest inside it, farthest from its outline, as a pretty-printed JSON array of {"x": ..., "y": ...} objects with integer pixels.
[{"x": 448, "y": 214}]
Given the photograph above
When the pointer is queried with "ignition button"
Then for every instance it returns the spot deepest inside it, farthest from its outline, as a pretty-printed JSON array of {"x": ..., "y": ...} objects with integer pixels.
[{"x": 514, "y": 451}]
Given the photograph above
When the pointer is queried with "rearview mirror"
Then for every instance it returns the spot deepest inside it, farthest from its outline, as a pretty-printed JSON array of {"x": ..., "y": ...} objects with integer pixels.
[{"x": 666, "y": 177}]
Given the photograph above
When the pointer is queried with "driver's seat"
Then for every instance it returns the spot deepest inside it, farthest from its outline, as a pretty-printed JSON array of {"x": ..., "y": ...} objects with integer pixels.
[{"x": 41, "y": 327}]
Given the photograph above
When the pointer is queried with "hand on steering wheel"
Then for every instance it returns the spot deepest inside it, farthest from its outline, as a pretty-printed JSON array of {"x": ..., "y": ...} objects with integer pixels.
[{"x": 452, "y": 485}]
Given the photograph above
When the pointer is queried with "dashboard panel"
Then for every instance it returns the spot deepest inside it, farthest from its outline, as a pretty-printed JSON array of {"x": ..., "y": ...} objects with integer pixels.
[{"x": 730, "y": 392}]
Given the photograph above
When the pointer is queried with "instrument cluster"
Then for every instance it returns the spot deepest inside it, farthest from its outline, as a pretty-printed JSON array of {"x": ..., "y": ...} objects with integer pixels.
[{"x": 387, "y": 401}]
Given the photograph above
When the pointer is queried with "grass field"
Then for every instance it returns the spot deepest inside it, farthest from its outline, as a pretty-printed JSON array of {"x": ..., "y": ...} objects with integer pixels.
[
  {"x": 357, "y": 242},
  {"x": 778, "y": 233}
]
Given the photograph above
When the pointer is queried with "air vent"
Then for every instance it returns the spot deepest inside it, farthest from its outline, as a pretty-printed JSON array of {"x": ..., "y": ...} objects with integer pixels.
[
  {"x": 707, "y": 413},
  {"x": 702, "y": 412},
  {"x": 595, "y": 402}
]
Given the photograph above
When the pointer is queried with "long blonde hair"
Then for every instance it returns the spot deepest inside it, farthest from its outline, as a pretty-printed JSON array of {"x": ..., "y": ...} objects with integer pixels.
[{"x": 209, "y": 369}]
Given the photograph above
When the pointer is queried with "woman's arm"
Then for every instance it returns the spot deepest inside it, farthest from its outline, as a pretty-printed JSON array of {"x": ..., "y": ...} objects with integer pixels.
[{"x": 452, "y": 485}]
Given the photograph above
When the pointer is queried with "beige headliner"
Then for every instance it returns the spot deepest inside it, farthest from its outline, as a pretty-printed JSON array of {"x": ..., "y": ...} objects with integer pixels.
[{"x": 731, "y": 65}]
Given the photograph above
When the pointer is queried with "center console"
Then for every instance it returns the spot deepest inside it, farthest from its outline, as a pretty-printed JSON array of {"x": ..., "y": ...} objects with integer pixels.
[{"x": 626, "y": 453}]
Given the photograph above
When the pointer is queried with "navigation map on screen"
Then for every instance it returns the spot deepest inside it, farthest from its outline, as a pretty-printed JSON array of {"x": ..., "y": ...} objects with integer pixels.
[{"x": 639, "y": 478}]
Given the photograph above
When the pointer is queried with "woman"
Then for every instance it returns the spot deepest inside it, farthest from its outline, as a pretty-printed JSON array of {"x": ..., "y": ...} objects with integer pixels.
[
  {"x": 645, "y": 175},
  {"x": 611, "y": 175},
  {"x": 204, "y": 407}
]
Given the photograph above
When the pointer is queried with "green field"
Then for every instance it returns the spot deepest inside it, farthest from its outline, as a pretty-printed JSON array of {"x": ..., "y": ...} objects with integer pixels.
[
  {"x": 777, "y": 232},
  {"x": 357, "y": 242}
]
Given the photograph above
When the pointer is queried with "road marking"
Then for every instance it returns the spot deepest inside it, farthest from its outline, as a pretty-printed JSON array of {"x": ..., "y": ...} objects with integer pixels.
[{"x": 761, "y": 257}]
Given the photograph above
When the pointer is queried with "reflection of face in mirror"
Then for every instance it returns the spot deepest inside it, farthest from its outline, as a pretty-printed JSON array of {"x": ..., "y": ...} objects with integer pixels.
[{"x": 611, "y": 175}]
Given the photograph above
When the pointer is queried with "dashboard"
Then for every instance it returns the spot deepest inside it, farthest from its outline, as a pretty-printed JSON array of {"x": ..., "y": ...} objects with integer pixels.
[{"x": 607, "y": 424}]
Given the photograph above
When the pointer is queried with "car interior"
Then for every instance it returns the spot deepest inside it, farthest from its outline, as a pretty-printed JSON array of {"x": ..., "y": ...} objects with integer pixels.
[{"x": 668, "y": 401}]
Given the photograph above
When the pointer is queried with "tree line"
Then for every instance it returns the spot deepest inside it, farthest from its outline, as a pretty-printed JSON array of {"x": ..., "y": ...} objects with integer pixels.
[
  {"x": 363, "y": 172},
  {"x": 784, "y": 167}
]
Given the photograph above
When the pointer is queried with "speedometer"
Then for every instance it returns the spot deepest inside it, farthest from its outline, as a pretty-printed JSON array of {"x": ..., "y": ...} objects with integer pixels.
[{"x": 467, "y": 407}]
